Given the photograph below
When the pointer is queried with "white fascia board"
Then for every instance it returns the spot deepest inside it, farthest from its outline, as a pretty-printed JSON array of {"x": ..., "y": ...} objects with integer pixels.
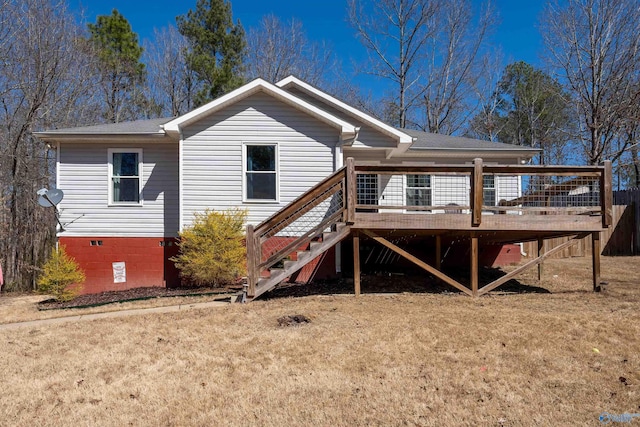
[
  {"x": 347, "y": 130},
  {"x": 469, "y": 153},
  {"x": 457, "y": 152},
  {"x": 403, "y": 139},
  {"x": 400, "y": 149}
]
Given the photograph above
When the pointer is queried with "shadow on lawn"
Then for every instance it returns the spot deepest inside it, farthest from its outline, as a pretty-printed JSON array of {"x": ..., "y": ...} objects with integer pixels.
[{"x": 411, "y": 281}]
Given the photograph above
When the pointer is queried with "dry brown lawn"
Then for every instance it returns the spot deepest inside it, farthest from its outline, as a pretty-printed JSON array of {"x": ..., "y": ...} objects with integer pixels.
[
  {"x": 559, "y": 358},
  {"x": 25, "y": 307}
]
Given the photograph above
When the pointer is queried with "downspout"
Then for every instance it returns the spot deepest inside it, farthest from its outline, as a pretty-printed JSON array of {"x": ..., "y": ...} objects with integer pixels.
[
  {"x": 522, "y": 252},
  {"x": 180, "y": 182},
  {"x": 338, "y": 162},
  {"x": 58, "y": 228}
]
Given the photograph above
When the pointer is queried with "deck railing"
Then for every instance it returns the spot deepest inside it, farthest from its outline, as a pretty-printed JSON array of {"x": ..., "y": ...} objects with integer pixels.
[{"x": 478, "y": 190}]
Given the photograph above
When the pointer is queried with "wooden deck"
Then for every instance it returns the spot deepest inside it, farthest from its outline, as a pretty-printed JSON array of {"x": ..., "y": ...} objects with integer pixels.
[{"x": 373, "y": 200}]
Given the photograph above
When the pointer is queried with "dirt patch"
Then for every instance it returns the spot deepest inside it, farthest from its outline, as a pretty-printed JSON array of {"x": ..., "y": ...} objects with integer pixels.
[
  {"x": 293, "y": 320},
  {"x": 136, "y": 294}
]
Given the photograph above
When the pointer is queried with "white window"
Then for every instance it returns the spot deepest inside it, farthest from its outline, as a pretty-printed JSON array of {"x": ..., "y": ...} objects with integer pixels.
[
  {"x": 489, "y": 190},
  {"x": 367, "y": 191},
  {"x": 261, "y": 172},
  {"x": 125, "y": 176},
  {"x": 418, "y": 190}
]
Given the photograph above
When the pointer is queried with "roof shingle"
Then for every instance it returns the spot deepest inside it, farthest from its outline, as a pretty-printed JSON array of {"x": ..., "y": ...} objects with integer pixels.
[
  {"x": 135, "y": 127},
  {"x": 431, "y": 141}
]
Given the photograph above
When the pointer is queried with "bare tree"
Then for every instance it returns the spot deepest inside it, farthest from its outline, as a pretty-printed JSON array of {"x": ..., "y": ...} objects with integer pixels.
[
  {"x": 276, "y": 50},
  {"x": 431, "y": 50},
  {"x": 395, "y": 33},
  {"x": 595, "y": 44},
  {"x": 486, "y": 124},
  {"x": 172, "y": 84},
  {"x": 453, "y": 65},
  {"x": 43, "y": 85}
]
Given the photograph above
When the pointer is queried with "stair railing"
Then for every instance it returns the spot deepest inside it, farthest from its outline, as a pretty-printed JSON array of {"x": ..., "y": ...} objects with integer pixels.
[{"x": 297, "y": 224}]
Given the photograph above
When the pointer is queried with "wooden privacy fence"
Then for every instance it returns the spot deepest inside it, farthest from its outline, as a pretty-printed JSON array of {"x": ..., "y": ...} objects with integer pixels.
[
  {"x": 631, "y": 198},
  {"x": 619, "y": 239}
]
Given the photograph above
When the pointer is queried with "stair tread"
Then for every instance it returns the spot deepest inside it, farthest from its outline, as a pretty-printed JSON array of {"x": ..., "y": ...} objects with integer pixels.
[{"x": 304, "y": 257}]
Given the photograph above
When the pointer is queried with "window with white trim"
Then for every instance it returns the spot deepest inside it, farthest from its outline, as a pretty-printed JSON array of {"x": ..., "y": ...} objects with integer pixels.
[
  {"x": 418, "y": 190},
  {"x": 489, "y": 190},
  {"x": 261, "y": 172},
  {"x": 367, "y": 188},
  {"x": 125, "y": 176}
]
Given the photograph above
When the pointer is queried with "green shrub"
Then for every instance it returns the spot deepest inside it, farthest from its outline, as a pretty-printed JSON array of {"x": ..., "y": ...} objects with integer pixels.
[
  {"x": 61, "y": 276},
  {"x": 212, "y": 251}
]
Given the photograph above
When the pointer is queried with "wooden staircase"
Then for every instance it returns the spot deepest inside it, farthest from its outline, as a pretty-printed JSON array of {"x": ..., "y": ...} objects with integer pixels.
[
  {"x": 316, "y": 220},
  {"x": 289, "y": 267}
]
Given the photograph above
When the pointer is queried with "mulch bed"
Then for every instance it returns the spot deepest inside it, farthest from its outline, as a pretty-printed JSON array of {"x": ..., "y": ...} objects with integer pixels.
[{"x": 136, "y": 294}]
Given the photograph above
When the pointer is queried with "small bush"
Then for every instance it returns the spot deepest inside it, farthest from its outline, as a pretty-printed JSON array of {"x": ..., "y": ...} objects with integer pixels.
[
  {"x": 212, "y": 251},
  {"x": 61, "y": 277}
]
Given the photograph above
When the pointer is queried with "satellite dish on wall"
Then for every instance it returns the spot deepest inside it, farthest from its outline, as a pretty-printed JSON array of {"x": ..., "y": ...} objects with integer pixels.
[{"x": 49, "y": 198}]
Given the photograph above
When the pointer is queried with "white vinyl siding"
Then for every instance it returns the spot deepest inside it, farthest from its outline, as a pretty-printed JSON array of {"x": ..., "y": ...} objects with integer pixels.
[
  {"x": 213, "y": 150},
  {"x": 442, "y": 191},
  {"x": 507, "y": 188},
  {"x": 450, "y": 190},
  {"x": 367, "y": 137},
  {"x": 85, "y": 210}
]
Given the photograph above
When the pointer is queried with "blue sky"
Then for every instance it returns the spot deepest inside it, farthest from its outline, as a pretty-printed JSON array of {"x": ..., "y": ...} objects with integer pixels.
[{"x": 516, "y": 34}]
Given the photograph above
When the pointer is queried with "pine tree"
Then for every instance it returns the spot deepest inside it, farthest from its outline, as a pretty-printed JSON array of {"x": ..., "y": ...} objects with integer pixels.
[
  {"x": 61, "y": 277},
  {"x": 529, "y": 109},
  {"x": 216, "y": 47},
  {"x": 121, "y": 72}
]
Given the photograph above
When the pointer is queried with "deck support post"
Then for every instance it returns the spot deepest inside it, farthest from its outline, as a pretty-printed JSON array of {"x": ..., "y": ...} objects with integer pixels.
[
  {"x": 477, "y": 184},
  {"x": 595, "y": 260},
  {"x": 438, "y": 252},
  {"x": 606, "y": 198},
  {"x": 474, "y": 265},
  {"x": 356, "y": 263},
  {"x": 540, "y": 253},
  {"x": 252, "y": 274}
]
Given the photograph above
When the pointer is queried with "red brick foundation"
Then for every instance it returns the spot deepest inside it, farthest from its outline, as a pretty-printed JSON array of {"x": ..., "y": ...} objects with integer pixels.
[
  {"x": 146, "y": 261},
  {"x": 489, "y": 255},
  {"x": 500, "y": 255}
]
